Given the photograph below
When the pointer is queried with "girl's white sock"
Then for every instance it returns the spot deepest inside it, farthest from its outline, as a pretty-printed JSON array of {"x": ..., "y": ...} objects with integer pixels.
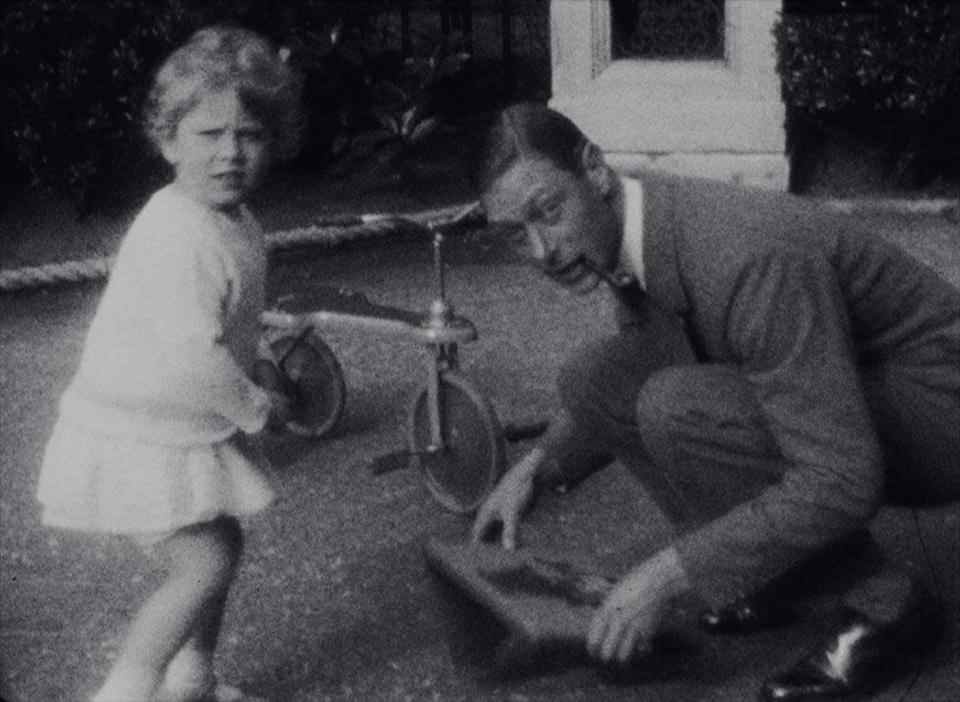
[{"x": 128, "y": 684}]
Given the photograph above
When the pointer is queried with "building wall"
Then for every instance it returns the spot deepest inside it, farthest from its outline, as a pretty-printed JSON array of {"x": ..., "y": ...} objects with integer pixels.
[{"x": 716, "y": 118}]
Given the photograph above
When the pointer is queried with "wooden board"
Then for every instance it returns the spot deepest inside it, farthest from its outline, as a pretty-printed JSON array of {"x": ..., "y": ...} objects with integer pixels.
[{"x": 542, "y": 598}]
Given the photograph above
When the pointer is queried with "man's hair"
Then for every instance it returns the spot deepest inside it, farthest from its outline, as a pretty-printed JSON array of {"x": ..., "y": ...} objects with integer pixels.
[
  {"x": 220, "y": 57},
  {"x": 528, "y": 130}
]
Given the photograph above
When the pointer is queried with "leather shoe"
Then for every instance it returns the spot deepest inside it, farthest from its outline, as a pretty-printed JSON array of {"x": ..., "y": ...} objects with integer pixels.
[
  {"x": 771, "y": 606},
  {"x": 859, "y": 657},
  {"x": 746, "y": 615}
]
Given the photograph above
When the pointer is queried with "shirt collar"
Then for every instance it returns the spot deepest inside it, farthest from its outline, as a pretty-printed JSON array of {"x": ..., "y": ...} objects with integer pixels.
[{"x": 630, "y": 261}]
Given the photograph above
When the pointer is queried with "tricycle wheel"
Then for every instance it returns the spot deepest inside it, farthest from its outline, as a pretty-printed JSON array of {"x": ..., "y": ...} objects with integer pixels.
[
  {"x": 462, "y": 474},
  {"x": 320, "y": 393}
]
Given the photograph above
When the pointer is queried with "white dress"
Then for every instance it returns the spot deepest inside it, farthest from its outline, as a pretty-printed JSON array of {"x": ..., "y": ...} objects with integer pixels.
[{"x": 150, "y": 436}]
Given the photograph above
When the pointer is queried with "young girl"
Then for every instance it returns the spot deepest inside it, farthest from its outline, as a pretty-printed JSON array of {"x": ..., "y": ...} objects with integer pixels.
[{"x": 150, "y": 441}]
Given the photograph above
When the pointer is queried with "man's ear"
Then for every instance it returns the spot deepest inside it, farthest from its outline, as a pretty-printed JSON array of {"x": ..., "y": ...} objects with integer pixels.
[{"x": 596, "y": 169}]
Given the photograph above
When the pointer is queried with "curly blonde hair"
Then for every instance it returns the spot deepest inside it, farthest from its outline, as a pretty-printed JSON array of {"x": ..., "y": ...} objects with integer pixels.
[{"x": 220, "y": 57}]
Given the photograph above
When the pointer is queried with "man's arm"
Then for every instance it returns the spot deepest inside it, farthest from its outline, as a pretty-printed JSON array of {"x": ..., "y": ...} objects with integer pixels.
[
  {"x": 515, "y": 491},
  {"x": 564, "y": 455},
  {"x": 787, "y": 325}
]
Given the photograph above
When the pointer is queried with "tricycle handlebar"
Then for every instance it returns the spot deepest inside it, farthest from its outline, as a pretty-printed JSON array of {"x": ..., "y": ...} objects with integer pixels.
[{"x": 441, "y": 224}]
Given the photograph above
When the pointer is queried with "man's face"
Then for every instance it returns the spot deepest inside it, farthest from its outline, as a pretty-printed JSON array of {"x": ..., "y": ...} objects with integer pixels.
[{"x": 568, "y": 221}]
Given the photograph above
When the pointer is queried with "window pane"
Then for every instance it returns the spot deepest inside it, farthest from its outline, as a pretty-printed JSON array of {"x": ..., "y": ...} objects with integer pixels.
[{"x": 667, "y": 29}]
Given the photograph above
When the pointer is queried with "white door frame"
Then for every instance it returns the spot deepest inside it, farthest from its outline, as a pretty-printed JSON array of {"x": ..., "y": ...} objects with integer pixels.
[{"x": 716, "y": 118}]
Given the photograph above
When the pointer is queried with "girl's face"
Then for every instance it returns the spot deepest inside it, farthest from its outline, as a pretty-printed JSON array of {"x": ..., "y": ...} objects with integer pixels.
[{"x": 219, "y": 151}]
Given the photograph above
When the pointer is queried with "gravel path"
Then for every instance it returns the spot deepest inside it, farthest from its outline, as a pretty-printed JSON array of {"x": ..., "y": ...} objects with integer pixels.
[{"x": 333, "y": 601}]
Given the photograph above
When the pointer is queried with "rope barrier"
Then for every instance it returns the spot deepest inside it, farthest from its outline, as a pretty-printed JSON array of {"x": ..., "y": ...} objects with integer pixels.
[
  {"x": 330, "y": 231},
  {"x": 54, "y": 274}
]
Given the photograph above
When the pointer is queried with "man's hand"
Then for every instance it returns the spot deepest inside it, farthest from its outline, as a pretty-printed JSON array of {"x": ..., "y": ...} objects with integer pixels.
[
  {"x": 506, "y": 503},
  {"x": 633, "y": 610}
]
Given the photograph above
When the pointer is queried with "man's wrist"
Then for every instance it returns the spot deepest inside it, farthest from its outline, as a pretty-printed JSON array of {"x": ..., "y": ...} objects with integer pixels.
[
  {"x": 529, "y": 466},
  {"x": 551, "y": 449},
  {"x": 670, "y": 572}
]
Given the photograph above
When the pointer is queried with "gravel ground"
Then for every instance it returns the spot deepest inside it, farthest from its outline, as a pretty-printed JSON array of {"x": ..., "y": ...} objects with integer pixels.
[{"x": 333, "y": 601}]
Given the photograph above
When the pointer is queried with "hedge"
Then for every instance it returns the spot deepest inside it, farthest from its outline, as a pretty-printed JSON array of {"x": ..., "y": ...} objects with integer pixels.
[
  {"x": 75, "y": 73},
  {"x": 889, "y": 71}
]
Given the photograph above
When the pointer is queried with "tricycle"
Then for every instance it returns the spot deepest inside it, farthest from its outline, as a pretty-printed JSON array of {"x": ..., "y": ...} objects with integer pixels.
[{"x": 453, "y": 434}]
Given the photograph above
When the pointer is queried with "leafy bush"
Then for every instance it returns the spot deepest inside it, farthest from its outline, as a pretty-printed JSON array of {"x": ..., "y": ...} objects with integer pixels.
[
  {"x": 397, "y": 103},
  {"x": 71, "y": 96},
  {"x": 76, "y": 72},
  {"x": 888, "y": 70}
]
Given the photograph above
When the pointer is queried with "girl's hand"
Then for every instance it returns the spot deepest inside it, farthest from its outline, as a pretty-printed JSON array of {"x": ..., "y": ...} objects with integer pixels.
[
  {"x": 271, "y": 379},
  {"x": 632, "y": 613},
  {"x": 281, "y": 410},
  {"x": 507, "y": 502}
]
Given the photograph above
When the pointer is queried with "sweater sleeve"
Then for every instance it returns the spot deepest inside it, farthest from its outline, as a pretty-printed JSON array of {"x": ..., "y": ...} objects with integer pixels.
[
  {"x": 787, "y": 326},
  {"x": 202, "y": 292},
  {"x": 167, "y": 312}
]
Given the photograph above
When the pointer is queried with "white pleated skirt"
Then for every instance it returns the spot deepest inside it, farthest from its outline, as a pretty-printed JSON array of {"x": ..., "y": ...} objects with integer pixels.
[{"x": 118, "y": 485}]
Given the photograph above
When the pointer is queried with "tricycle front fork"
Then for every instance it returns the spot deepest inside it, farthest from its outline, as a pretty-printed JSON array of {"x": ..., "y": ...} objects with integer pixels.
[
  {"x": 300, "y": 338},
  {"x": 442, "y": 358}
]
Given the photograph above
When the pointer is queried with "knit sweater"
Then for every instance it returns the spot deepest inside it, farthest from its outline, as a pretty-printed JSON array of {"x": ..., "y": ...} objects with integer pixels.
[{"x": 167, "y": 354}]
